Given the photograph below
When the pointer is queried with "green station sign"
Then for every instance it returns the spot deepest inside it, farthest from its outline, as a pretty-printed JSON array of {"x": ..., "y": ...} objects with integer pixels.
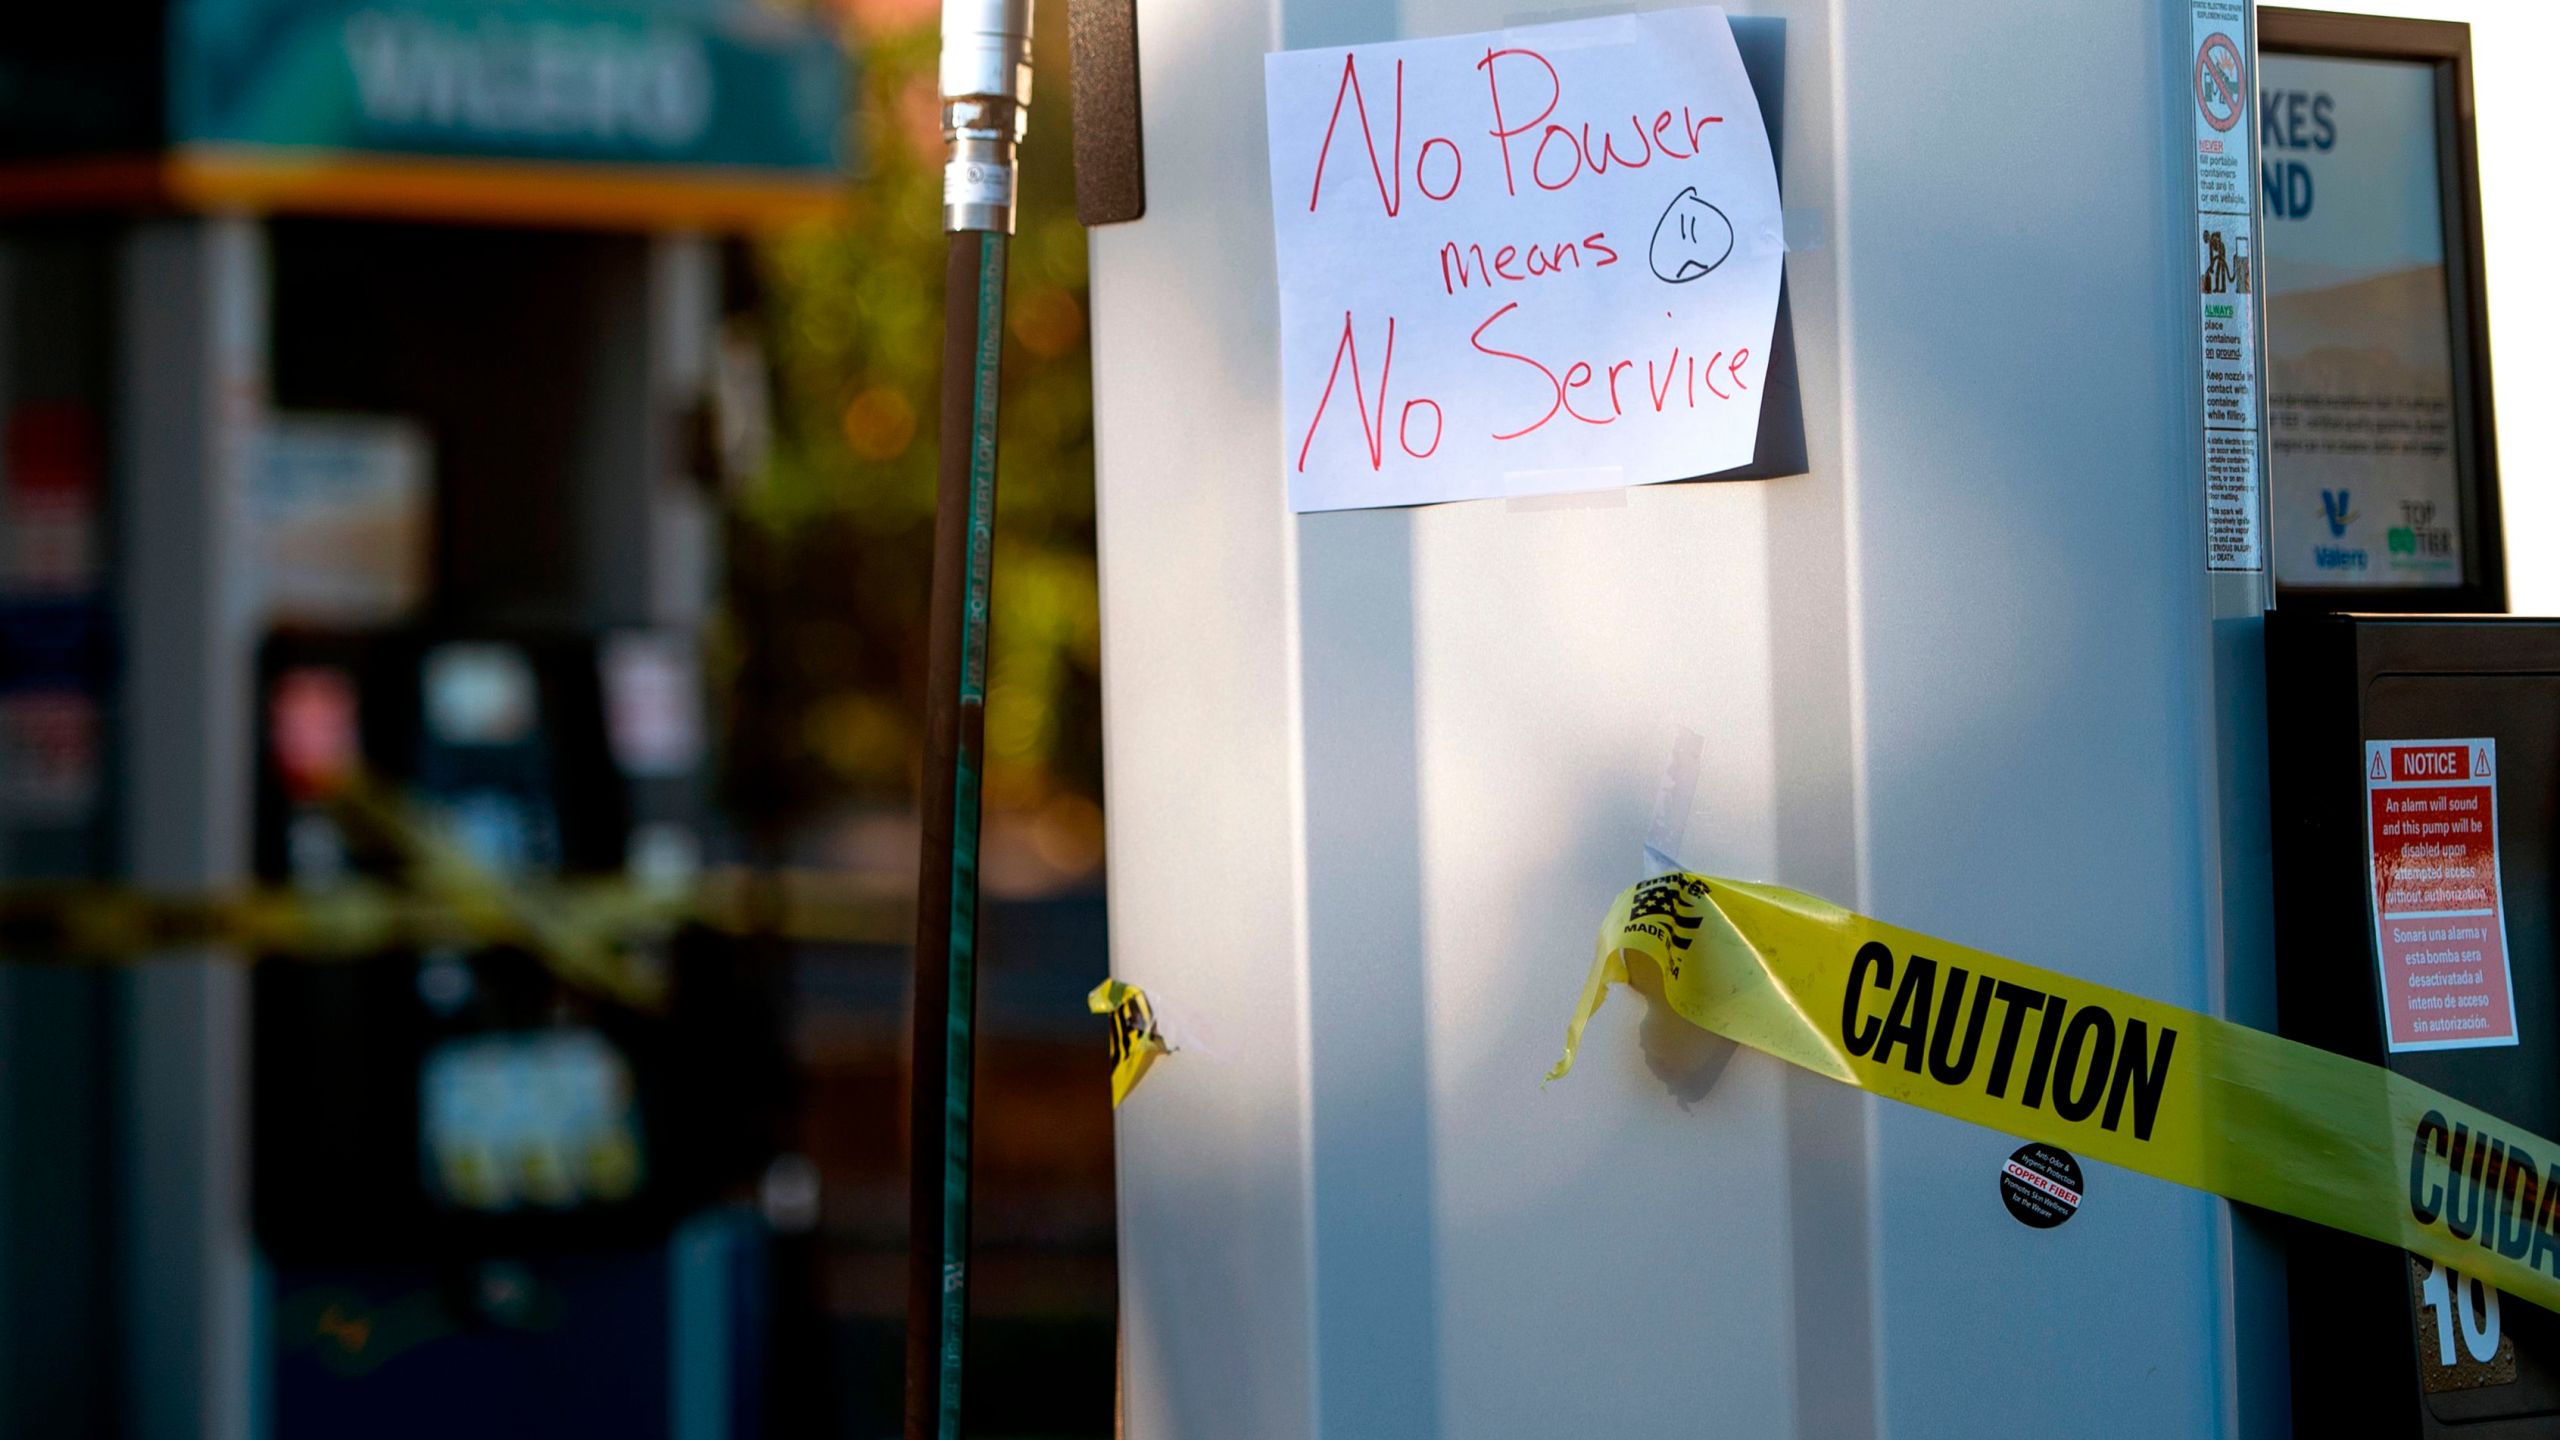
[
  {"x": 610, "y": 112},
  {"x": 730, "y": 83}
]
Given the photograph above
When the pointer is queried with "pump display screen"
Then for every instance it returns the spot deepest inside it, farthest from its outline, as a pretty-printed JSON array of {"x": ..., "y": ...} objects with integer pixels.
[
  {"x": 543, "y": 1119},
  {"x": 2364, "y": 417}
]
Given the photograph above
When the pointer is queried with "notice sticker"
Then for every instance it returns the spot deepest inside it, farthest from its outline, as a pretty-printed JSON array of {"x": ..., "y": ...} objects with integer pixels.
[{"x": 2439, "y": 911}]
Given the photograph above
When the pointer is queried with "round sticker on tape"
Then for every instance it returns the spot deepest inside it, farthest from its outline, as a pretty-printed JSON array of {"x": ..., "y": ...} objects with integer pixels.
[{"x": 2041, "y": 1185}]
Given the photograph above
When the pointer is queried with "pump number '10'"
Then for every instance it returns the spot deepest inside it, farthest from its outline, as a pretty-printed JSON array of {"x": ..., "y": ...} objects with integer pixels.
[{"x": 1536, "y": 260}]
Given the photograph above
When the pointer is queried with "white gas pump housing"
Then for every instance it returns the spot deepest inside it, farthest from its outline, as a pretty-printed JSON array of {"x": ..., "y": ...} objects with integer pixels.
[{"x": 1374, "y": 776}]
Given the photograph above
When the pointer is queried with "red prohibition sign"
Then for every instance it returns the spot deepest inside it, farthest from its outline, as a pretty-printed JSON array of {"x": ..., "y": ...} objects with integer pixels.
[{"x": 2220, "y": 92}]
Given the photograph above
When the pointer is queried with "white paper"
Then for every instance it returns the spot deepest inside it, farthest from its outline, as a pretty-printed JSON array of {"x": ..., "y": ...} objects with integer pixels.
[{"x": 1535, "y": 260}]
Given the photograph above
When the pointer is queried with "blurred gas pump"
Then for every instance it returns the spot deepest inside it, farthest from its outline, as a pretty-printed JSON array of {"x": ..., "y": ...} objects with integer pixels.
[{"x": 457, "y": 1134}]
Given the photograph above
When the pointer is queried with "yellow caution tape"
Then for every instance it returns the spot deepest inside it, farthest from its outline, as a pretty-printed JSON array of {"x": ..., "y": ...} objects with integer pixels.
[
  {"x": 1136, "y": 1038},
  {"x": 575, "y": 947},
  {"x": 595, "y": 934},
  {"x": 59, "y": 921},
  {"x": 2032, "y": 1052}
]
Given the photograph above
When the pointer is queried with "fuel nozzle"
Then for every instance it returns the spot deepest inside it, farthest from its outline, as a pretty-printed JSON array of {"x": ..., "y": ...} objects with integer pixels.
[{"x": 986, "y": 107}]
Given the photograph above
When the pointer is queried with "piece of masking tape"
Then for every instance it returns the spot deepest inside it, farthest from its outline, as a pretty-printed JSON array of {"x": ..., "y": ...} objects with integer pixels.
[
  {"x": 1549, "y": 42},
  {"x": 1673, "y": 799},
  {"x": 1567, "y": 500},
  {"x": 1137, "y": 1037},
  {"x": 2172, "y": 1093}
]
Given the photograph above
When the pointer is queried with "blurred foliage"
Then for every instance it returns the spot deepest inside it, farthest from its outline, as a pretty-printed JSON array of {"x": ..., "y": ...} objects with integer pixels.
[{"x": 830, "y": 551}]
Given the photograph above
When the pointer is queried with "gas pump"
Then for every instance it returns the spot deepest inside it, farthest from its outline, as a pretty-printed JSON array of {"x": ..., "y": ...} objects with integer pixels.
[
  {"x": 2411, "y": 761},
  {"x": 457, "y": 1130},
  {"x": 471, "y": 336},
  {"x": 2416, "y": 780},
  {"x": 1990, "y": 657}
]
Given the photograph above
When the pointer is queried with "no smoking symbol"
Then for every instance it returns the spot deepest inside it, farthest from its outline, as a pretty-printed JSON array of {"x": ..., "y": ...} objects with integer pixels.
[{"x": 2220, "y": 92}]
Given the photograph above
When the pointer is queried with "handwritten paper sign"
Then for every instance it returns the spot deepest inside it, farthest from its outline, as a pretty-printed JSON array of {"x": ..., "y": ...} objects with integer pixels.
[{"x": 1537, "y": 260}]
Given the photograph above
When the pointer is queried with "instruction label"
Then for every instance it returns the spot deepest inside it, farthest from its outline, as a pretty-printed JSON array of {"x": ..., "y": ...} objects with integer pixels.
[
  {"x": 2439, "y": 911},
  {"x": 2226, "y": 269}
]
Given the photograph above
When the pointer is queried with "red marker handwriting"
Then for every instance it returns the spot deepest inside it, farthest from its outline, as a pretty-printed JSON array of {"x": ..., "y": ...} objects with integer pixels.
[
  {"x": 1556, "y": 154},
  {"x": 1372, "y": 430}
]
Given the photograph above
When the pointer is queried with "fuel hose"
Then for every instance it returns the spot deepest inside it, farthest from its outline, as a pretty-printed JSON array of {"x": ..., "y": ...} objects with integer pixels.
[{"x": 986, "y": 98}]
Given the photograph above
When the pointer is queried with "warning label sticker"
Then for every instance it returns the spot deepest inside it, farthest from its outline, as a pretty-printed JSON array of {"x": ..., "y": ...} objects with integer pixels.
[
  {"x": 2226, "y": 285},
  {"x": 2231, "y": 499},
  {"x": 2439, "y": 911},
  {"x": 2230, "y": 361},
  {"x": 2224, "y": 265},
  {"x": 2222, "y": 102}
]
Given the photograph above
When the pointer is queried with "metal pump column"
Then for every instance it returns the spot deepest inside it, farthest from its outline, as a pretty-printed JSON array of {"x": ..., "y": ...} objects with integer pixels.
[{"x": 986, "y": 98}]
